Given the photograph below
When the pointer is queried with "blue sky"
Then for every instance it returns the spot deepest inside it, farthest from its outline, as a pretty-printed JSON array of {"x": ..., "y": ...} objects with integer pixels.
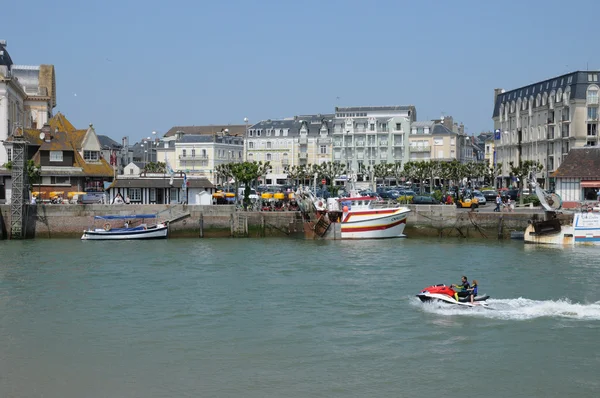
[{"x": 131, "y": 67}]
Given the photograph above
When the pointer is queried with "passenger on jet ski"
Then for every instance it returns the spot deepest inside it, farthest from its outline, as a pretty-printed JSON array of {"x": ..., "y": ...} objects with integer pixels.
[
  {"x": 464, "y": 288},
  {"x": 473, "y": 291}
]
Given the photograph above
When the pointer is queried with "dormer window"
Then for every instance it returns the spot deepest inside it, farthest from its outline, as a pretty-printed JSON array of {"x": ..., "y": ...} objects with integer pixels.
[
  {"x": 91, "y": 156},
  {"x": 56, "y": 156}
]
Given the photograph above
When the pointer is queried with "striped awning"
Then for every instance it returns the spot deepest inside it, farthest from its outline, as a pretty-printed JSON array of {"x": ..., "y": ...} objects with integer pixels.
[{"x": 590, "y": 184}]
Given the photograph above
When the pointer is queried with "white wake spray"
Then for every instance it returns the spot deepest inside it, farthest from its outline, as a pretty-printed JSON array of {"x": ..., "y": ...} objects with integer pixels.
[{"x": 519, "y": 309}]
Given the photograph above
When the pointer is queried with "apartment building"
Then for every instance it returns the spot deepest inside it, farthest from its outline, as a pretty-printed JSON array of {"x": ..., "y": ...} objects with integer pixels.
[
  {"x": 544, "y": 120},
  {"x": 305, "y": 139},
  {"x": 364, "y": 136}
]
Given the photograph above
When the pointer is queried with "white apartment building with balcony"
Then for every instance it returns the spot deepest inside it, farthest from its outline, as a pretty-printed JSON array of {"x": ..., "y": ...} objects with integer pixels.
[
  {"x": 364, "y": 136},
  {"x": 301, "y": 140},
  {"x": 544, "y": 120},
  {"x": 198, "y": 155}
]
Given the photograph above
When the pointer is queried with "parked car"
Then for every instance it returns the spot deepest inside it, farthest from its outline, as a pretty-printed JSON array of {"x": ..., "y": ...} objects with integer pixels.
[
  {"x": 480, "y": 198},
  {"x": 425, "y": 200},
  {"x": 490, "y": 195},
  {"x": 512, "y": 193}
]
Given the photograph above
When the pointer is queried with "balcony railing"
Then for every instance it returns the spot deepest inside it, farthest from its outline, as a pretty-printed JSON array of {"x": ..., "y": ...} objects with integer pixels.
[
  {"x": 360, "y": 143},
  {"x": 285, "y": 162},
  {"x": 303, "y": 155},
  {"x": 383, "y": 143},
  {"x": 398, "y": 143},
  {"x": 592, "y": 100},
  {"x": 303, "y": 140},
  {"x": 324, "y": 140},
  {"x": 193, "y": 157},
  {"x": 420, "y": 148}
]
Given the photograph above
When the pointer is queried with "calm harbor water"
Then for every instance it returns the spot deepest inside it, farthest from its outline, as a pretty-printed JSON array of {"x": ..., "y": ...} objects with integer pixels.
[{"x": 286, "y": 318}]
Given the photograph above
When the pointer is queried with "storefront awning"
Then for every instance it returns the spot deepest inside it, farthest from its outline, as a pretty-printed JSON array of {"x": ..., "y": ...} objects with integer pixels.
[{"x": 590, "y": 184}]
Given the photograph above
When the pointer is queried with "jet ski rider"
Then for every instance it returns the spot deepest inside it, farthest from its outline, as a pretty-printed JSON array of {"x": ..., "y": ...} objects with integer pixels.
[{"x": 464, "y": 287}]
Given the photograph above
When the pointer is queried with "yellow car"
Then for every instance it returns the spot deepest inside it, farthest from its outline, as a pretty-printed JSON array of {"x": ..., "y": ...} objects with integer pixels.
[{"x": 471, "y": 203}]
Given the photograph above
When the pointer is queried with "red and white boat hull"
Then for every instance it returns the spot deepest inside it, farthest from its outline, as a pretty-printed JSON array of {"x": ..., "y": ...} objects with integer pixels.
[{"x": 374, "y": 223}]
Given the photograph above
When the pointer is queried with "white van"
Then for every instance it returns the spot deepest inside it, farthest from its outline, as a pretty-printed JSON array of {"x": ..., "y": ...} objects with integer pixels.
[{"x": 253, "y": 194}]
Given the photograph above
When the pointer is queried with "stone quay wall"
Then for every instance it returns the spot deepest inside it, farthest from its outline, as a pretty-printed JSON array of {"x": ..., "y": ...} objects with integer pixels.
[{"x": 69, "y": 221}]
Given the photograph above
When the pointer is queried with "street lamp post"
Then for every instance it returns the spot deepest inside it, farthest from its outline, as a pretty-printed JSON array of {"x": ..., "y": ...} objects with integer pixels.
[
  {"x": 154, "y": 146},
  {"x": 245, "y": 139}
]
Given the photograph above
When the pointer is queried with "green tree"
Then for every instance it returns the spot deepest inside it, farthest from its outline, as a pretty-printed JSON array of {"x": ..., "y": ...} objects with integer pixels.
[
  {"x": 330, "y": 171},
  {"x": 522, "y": 171},
  {"x": 34, "y": 172},
  {"x": 158, "y": 167},
  {"x": 383, "y": 170},
  {"x": 493, "y": 172},
  {"x": 456, "y": 172}
]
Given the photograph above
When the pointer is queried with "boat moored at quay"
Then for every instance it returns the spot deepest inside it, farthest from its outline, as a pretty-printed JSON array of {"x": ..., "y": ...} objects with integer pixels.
[
  {"x": 355, "y": 217},
  {"x": 125, "y": 230}
]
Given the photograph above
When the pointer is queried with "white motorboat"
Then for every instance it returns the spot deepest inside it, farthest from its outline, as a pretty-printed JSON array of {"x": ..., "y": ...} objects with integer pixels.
[
  {"x": 126, "y": 231},
  {"x": 583, "y": 230}
]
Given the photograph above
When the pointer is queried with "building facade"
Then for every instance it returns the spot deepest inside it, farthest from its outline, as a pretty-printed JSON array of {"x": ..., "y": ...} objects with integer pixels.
[
  {"x": 199, "y": 155},
  {"x": 578, "y": 176},
  {"x": 301, "y": 140},
  {"x": 543, "y": 121},
  {"x": 364, "y": 136},
  {"x": 442, "y": 140},
  {"x": 27, "y": 97}
]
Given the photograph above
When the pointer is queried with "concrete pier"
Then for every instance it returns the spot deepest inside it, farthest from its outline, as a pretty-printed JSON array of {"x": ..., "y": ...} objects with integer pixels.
[{"x": 69, "y": 221}]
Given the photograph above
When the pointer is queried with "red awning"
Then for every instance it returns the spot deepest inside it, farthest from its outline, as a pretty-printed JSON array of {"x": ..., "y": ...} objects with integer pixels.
[{"x": 590, "y": 184}]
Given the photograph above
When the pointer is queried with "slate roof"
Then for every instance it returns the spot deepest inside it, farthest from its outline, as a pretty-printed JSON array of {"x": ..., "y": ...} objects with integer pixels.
[
  {"x": 108, "y": 143},
  {"x": 5, "y": 59},
  {"x": 578, "y": 85},
  {"x": 373, "y": 108},
  {"x": 428, "y": 123},
  {"x": 580, "y": 163},
  {"x": 440, "y": 129},
  {"x": 160, "y": 183},
  {"x": 293, "y": 125},
  {"x": 234, "y": 129},
  {"x": 211, "y": 138}
]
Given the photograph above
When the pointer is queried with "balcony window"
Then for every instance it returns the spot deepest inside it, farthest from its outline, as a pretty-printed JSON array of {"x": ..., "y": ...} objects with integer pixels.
[
  {"x": 9, "y": 154},
  {"x": 592, "y": 96},
  {"x": 251, "y": 145},
  {"x": 592, "y": 129},
  {"x": 56, "y": 156},
  {"x": 323, "y": 149},
  {"x": 590, "y": 143},
  {"x": 372, "y": 127},
  {"x": 193, "y": 153},
  {"x": 398, "y": 126},
  {"x": 183, "y": 152},
  {"x": 269, "y": 157},
  {"x": 268, "y": 145},
  {"x": 592, "y": 112}
]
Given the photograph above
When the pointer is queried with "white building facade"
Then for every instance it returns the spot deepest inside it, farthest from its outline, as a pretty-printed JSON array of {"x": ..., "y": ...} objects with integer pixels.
[
  {"x": 199, "y": 155},
  {"x": 27, "y": 97},
  {"x": 364, "y": 136},
  {"x": 301, "y": 140}
]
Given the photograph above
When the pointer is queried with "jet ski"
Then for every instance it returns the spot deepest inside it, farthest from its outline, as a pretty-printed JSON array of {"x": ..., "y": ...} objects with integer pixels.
[{"x": 445, "y": 294}]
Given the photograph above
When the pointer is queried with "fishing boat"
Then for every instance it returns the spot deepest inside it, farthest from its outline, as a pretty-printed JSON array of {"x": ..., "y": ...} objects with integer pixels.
[
  {"x": 584, "y": 228},
  {"x": 358, "y": 217},
  {"x": 126, "y": 228}
]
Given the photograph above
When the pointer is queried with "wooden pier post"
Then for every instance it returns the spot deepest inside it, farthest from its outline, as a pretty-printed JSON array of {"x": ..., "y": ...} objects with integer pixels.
[
  {"x": 231, "y": 226},
  {"x": 201, "y": 222}
]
